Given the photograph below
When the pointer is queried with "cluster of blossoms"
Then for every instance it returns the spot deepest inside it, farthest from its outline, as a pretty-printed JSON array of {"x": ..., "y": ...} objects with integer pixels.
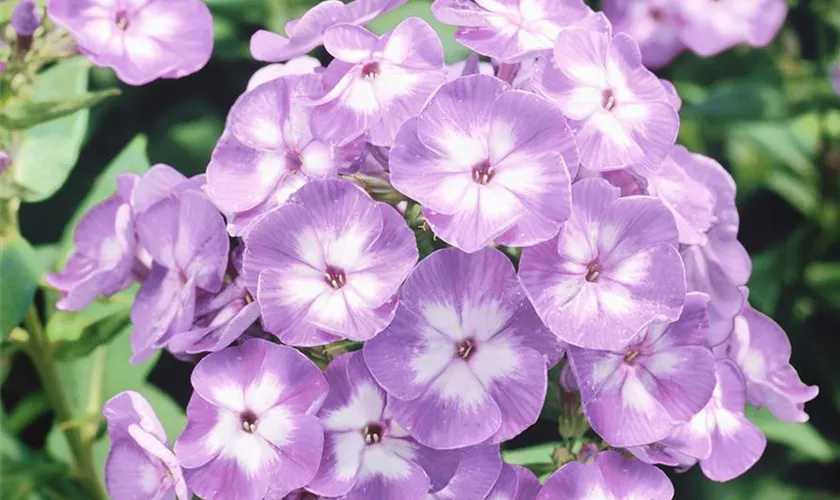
[
  {"x": 577, "y": 233},
  {"x": 664, "y": 28}
]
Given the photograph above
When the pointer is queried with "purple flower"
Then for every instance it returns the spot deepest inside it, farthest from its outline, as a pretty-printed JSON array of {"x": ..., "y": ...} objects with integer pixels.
[
  {"x": 251, "y": 422},
  {"x": 26, "y": 17},
  {"x": 142, "y": 40},
  {"x": 302, "y": 65},
  {"x": 106, "y": 243},
  {"x": 611, "y": 476},
  {"x": 720, "y": 266},
  {"x": 220, "y": 319},
  {"x": 328, "y": 264},
  {"x": 375, "y": 84},
  {"x": 472, "y": 475},
  {"x": 464, "y": 361},
  {"x": 762, "y": 350},
  {"x": 185, "y": 235},
  {"x": 713, "y": 26},
  {"x": 720, "y": 436},
  {"x": 515, "y": 483},
  {"x": 306, "y": 33},
  {"x": 5, "y": 160},
  {"x": 636, "y": 395},
  {"x": 267, "y": 151},
  {"x": 613, "y": 269},
  {"x": 509, "y": 30},
  {"x": 689, "y": 200},
  {"x": 366, "y": 453},
  {"x": 487, "y": 163},
  {"x": 620, "y": 111},
  {"x": 655, "y": 24},
  {"x": 139, "y": 464}
]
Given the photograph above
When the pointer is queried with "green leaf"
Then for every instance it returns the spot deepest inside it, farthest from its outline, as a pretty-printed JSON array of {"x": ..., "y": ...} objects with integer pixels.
[
  {"x": 453, "y": 50},
  {"x": 539, "y": 453},
  {"x": 131, "y": 160},
  {"x": 733, "y": 99},
  {"x": 48, "y": 152},
  {"x": 75, "y": 334},
  {"x": 824, "y": 278},
  {"x": 803, "y": 438},
  {"x": 26, "y": 115},
  {"x": 20, "y": 274}
]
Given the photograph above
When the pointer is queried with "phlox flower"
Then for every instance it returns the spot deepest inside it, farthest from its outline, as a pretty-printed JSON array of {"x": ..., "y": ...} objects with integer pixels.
[
  {"x": 306, "y": 33},
  {"x": 761, "y": 349},
  {"x": 328, "y": 264},
  {"x": 464, "y": 360},
  {"x": 620, "y": 112},
  {"x": 141, "y": 40},
  {"x": 487, "y": 163},
  {"x": 251, "y": 422},
  {"x": 509, "y": 30},
  {"x": 613, "y": 268},
  {"x": 636, "y": 395},
  {"x": 267, "y": 151},
  {"x": 185, "y": 236},
  {"x": 721, "y": 266},
  {"x": 713, "y": 26},
  {"x": 654, "y": 24},
  {"x": 376, "y": 83},
  {"x": 105, "y": 243},
  {"x": 611, "y": 477},
  {"x": 366, "y": 453},
  {"x": 302, "y": 65},
  {"x": 690, "y": 201},
  {"x": 139, "y": 463},
  {"x": 473, "y": 474},
  {"x": 515, "y": 483},
  {"x": 25, "y": 18}
]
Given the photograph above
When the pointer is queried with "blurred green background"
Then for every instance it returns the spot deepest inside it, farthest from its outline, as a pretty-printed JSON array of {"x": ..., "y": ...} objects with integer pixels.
[{"x": 768, "y": 115}]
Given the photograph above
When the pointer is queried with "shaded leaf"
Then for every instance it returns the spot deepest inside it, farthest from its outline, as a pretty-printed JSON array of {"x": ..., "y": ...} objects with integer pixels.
[
  {"x": 49, "y": 151},
  {"x": 20, "y": 274},
  {"x": 802, "y": 438},
  {"x": 27, "y": 115}
]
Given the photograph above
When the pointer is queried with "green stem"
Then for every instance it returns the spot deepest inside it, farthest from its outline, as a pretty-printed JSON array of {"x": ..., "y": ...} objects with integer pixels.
[{"x": 41, "y": 353}]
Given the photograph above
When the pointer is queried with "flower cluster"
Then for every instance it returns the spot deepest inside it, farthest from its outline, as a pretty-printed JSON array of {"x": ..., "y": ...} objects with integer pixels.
[
  {"x": 577, "y": 232},
  {"x": 664, "y": 28}
]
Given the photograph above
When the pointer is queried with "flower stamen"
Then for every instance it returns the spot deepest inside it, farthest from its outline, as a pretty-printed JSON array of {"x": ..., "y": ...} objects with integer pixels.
[{"x": 335, "y": 277}]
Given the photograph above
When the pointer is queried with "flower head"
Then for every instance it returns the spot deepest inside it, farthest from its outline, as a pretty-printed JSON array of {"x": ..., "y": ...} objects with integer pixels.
[
  {"x": 267, "y": 151},
  {"x": 105, "y": 245},
  {"x": 328, "y": 264},
  {"x": 689, "y": 200},
  {"x": 464, "y": 360},
  {"x": 139, "y": 462},
  {"x": 141, "y": 40},
  {"x": 473, "y": 474},
  {"x": 306, "y": 33},
  {"x": 366, "y": 453},
  {"x": 487, "y": 163},
  {"x": 185, "y": 236},
  {"x": 611, "y": 477},
  {"x": 612, "y": 270},
  {"x": 715, "y": 25},
  {"x": 251, "y": 422},
  {"x": 26, "y": 17},
  {"x": 509, "y": 30},
  {"x": 721, "y": 266},
  {"x": 636, "y": 395},
  {"x": 515, "y": 483},
  {"x": 655, "y": 24},
  {"x": 375, "y": 84},
  {"x": 762, "y": 350},
  {"x": 620, "y": 112},
  {"x": 720, "y": 436}
]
